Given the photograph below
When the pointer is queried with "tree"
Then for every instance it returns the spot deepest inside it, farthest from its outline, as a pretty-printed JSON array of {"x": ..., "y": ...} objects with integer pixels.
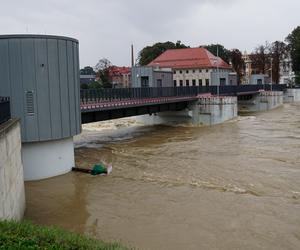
[
  {"x": 220, "y": 50},
  {"x": 149, "y": 53},
  {"x": 87, "y": 70},
  {"x": 260, "y": 59},
  {"x": 293, "y": 41},
  {"x": 238, "y": 63},
  {"x": 102, "y": 69},
  {"x": 277, "y": 51}
]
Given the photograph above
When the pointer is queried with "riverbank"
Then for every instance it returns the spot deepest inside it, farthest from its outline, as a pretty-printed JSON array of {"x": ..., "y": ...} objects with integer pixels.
[{"x": 25, "y": 235}]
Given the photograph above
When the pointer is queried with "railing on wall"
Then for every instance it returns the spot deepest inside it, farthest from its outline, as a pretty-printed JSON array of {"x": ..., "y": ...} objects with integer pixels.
[
  {"x": 4, "y": 109},
  {"x": 107, "y": 95}
]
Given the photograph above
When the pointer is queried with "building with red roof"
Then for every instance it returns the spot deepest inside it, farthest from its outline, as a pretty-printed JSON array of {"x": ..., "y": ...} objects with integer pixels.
[
  {"x": 195, "y": 67},
  {"x": 120, "y": 77}
]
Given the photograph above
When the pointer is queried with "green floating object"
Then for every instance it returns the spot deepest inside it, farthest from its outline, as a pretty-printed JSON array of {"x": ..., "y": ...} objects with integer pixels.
[{"x": 98, "y": 169}]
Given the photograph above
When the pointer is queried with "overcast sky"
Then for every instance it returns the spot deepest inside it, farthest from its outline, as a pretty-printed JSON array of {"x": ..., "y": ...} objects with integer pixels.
[{"x": 106, "y": 28}]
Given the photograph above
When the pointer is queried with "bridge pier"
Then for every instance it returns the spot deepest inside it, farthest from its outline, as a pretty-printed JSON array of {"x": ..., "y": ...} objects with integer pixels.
[
  {"x": 207, "y": 110},
  {"x": 263, "y": 101},
  {"x": 291, "y": 95}
]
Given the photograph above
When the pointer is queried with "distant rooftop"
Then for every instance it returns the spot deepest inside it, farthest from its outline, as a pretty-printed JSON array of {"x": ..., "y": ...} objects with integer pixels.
[{"x": 189, "y": 58}]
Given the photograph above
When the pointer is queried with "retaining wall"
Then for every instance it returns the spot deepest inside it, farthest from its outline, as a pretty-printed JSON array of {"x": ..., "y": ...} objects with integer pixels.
[{"x": 12, "y": 194}]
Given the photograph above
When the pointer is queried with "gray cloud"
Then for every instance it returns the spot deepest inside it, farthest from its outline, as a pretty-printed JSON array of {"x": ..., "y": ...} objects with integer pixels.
[{"x": 107, "y": 28}]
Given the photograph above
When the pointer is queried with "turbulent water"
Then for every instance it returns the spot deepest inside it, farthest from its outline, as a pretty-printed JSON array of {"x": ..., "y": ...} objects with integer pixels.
[{"x": 231, "y": 186}]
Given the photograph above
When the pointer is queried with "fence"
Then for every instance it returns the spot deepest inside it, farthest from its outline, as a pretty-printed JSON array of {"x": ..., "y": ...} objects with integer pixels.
[
  {"x": 4, "y": 109},
  {"x": 107, "y": 95}
]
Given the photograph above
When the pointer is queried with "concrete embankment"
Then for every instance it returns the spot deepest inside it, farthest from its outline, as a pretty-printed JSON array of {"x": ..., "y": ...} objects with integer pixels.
[{"x": 12, "y": 195}]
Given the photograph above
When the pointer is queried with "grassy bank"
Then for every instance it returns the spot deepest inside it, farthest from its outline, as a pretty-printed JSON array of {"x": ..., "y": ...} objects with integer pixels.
[{"x": 26, "y": 235}]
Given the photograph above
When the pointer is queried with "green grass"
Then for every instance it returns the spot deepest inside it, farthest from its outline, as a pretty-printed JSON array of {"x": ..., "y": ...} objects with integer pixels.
[{"x": 25, "y": 235}]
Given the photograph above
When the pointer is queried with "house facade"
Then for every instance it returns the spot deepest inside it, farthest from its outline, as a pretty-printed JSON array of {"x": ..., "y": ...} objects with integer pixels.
[
  {"x": 120, "y": 77},
  {"x": 194, "y": 67}
]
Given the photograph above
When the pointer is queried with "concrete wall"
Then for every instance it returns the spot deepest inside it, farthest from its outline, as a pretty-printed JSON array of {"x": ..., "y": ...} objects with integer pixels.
[
  {"x": 262, "y": 102},
  {"x": 12, "y": 195},
  {"x": 47, "y": 159},
  {"x": 207, "y": 111},
  {"x": 213, "y": 110},
  {"x": 165, "y": 75},
  {"x": 291, "y": 95}
]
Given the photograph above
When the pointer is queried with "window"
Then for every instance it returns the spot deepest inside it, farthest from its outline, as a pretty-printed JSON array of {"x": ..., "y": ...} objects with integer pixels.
[
  {"x": 187, "y": 83},
  {"x": 180, "y": 71},
  {"x": 207, "y": 82},
  {"x": 175, "y": 83},
  {"x": 194, "y": 71},
  {"x": 194, "y": 82},
  {"x": 187, "y": 71},
  {"x": 200, "y": 82},
  {"x": 174, "y": 72},
  {"x": 181, "y": 83},
  {"x": 207, "y": 71}
]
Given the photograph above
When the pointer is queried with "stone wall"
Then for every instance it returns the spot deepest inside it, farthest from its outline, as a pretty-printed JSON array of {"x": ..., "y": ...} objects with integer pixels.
[{"x": 12, "y": 194}]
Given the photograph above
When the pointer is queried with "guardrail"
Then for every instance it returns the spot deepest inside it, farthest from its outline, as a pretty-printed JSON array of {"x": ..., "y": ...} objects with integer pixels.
[
  {"x": 4, "y": 109},
  {"x": 106, "y": 95}
]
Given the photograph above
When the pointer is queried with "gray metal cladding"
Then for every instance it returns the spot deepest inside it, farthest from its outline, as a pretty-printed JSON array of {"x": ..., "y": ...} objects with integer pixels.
[{"x": 41, "y": 76}]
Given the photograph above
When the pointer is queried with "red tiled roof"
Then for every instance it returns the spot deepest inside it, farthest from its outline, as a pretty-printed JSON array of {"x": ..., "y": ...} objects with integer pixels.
[
  {"x": 189, "y": 58},
  {"x": 114, "y": 70}
]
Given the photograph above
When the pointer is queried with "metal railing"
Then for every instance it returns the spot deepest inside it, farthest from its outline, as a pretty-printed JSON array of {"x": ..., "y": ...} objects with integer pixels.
[
  {"x": 107, "y": 95},
  {"x": 4, "y": 109}
]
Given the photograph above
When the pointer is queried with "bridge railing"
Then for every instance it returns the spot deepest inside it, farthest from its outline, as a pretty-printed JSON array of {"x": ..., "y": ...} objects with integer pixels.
[
  {"x": 4, "y": 109},
  {"x": 108, "y": 95}
]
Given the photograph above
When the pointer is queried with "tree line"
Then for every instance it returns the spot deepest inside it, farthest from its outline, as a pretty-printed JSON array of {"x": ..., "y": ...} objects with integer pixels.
[{"x": 265, "y": 58}]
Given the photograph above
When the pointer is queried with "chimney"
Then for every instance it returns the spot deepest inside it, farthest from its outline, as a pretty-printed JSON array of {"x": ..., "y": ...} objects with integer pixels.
[{"x": 132, "y": 56}]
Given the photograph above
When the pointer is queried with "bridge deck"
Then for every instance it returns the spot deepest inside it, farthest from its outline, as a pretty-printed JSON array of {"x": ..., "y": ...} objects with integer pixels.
[{"x": 118, "y": 104}]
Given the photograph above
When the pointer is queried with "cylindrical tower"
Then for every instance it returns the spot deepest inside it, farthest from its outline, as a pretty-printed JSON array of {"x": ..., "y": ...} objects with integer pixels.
[{"x": 40, "y": 74}]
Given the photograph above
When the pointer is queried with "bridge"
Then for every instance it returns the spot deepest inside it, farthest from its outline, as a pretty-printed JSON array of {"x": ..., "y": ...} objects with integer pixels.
[{"x": 106, "y": 104}]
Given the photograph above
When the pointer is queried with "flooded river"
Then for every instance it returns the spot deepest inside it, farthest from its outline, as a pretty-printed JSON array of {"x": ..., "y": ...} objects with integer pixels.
[{"x": 231, "y": 186}]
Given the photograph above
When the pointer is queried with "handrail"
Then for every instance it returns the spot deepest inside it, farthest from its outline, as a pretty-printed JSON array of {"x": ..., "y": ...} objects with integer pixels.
[{"x": 117, "y": 94}]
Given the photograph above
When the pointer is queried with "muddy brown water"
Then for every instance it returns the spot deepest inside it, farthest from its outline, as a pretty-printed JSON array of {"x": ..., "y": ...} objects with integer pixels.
[{"x": 231, "y": 186}]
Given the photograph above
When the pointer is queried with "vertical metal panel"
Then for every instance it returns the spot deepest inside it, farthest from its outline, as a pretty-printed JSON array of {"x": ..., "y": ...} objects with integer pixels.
[
  {"x": 41, "y": 75},
  {"x": 16, "y": 81},
  {"x": 71, "y": 87},
  {"x": 77, "y": 87},
  {"x": 29, "y": 84},
  {"x": 4, "y": 69},
  {"x": 64, "y": 93},
  {"x": 54, "y": 86},
  {"x": 42, "y": 89}
]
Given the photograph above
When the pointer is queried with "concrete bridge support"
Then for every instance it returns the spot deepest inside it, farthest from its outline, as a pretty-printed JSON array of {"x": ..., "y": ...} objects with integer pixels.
[
  {"x": 264, "y": 101},
  {"x": 207, "y": 110},
  {"x": 291, "y": 95}
]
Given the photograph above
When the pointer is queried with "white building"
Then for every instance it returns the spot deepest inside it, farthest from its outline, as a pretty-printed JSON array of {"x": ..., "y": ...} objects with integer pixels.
[
  {"x": 287, "y": 76},
  {"x": 195, "y": 67}
]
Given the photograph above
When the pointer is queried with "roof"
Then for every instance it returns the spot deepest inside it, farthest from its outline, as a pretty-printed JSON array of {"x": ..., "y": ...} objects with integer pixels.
[
  {"x": 189, "y": 58},
  {"x": 114, "y": 70}
]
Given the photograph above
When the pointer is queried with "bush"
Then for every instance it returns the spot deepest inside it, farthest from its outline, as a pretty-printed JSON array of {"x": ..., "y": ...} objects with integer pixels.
[{"x": 25, "y": 235}]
